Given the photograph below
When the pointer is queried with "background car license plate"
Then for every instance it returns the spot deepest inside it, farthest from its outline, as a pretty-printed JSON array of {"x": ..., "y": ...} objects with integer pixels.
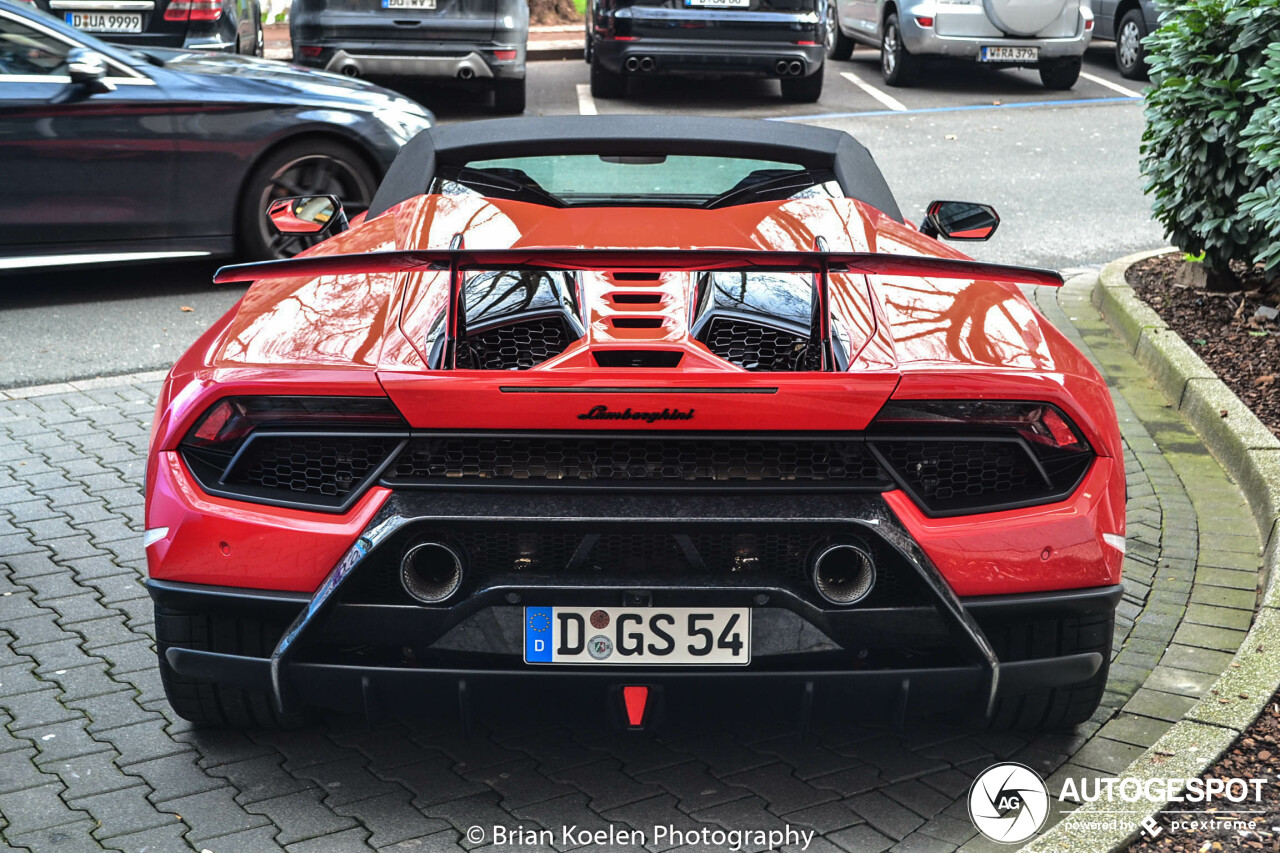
[
  {"x": 720, "y": 4},
  {"x": 408, "y": 4},
  {"x": 106, "y": 22},
  {"x": 1010, "y": 54},
  {"x": 641, "y": 636}
]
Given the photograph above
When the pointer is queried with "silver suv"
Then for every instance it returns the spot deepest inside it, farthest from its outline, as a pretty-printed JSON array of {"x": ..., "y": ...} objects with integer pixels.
[{"x": 1050, "y": 35}]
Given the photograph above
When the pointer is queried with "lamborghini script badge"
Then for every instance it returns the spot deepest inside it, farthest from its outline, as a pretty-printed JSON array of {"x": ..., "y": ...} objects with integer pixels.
[{"x": 602, "y": 413}]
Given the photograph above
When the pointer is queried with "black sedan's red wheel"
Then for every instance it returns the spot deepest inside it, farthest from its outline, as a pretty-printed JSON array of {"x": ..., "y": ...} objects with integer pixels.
[{"x": 317, "y": 167}]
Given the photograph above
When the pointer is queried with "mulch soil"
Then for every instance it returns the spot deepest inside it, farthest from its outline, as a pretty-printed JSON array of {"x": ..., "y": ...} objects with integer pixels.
[{"x": 1242, "y": 345}]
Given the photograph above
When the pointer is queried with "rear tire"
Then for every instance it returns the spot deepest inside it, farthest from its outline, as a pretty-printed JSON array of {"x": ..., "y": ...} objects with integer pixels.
[
  {"x": 308, "y": 167},
  {"x": 897, "y": 65},
  {"x": 209, "y": 703},
  {"x": 1060, "y": 74},
  {"x": 1058, "y": 707},
  {"x": 605, "y": 83},
  {"x": 839, "y": 46},
  {"x": 1131, "y": 57},
  {"x": 509, "y": 96},
  {"x": 803, "y": 90}
]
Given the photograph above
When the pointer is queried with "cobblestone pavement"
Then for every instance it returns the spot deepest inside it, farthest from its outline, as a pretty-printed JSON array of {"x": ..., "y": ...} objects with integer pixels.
[{"x": 91, "y": 756}]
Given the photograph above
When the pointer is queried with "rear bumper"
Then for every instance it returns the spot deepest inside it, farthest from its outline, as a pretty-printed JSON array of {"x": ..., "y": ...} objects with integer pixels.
[
  {"x": 925, "y": 41},
  {"x": 688, "y": 57},
  {"x": 457, "y": 64},
  {"x": 965, "y": 688}
]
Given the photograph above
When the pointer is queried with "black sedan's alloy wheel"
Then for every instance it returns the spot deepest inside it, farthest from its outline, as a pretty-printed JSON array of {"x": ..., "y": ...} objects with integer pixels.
[{"x": 319, "y": 167}]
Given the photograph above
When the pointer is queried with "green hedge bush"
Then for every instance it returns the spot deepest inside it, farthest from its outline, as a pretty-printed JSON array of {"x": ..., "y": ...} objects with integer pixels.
[{"x": 1211, "y": 150}]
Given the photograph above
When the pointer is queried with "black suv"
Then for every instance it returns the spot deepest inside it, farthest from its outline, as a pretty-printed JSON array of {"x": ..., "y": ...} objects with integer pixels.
[
  {"x": 226, "y": 26},
  {"x": 711, "y": 38},
  {"x": 477, "y": 42}
]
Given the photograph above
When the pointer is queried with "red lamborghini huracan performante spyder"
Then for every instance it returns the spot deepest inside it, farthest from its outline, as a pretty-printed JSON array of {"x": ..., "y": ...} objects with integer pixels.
[{"x": 629, "y": 406}]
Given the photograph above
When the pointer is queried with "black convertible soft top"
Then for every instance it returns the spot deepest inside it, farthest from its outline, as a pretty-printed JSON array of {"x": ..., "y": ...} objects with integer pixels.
[{"x": 419, "y": 160}]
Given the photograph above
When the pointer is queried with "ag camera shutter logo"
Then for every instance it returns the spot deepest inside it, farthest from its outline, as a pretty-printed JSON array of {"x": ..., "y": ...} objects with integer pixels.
[{"x": 1008, "y": 803}]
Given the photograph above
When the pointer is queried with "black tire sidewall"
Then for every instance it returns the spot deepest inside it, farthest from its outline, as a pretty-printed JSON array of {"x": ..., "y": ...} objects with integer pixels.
[
  {"x": 249, "y": 241},
  {"x": 1138, "y": 70}
]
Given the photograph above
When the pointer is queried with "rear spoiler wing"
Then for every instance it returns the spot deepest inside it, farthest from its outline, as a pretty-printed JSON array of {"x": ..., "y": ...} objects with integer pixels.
[{"x": 454, "y": 261}]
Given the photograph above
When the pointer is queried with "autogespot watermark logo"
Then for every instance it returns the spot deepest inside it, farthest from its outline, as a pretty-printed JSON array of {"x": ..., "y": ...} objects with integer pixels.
[{"x": 1008, "y": 803}]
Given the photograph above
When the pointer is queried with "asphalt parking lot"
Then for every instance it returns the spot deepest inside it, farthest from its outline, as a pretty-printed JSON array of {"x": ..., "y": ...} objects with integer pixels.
[{"x": 1060, "y": 167}]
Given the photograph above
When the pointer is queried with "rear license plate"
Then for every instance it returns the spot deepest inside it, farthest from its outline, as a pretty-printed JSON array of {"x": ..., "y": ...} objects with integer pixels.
[
  {"x": 105, "y": 22},
  {"x": 644, "y": 636},
  {"x": 1010, "y": 54},
  {"x": 719, "y": 4},
  {"x": 408, "y": 4}
]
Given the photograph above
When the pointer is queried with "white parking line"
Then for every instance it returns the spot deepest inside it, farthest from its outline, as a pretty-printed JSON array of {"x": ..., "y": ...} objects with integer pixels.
[
  {"x": 586, "y": 105},
  {"x": 1115, "y": 87},
  {"x": 883, "y": 97}
]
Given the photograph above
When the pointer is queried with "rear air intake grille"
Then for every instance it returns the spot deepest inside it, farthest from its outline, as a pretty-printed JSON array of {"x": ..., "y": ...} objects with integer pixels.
[
  {"x": 968, "y": 475},
  {"x": 755, "y": 347},
  {"x": 315, "y": 468},
  {"x": 516, "y": 346},
  {"x": 604, "y": 460}
]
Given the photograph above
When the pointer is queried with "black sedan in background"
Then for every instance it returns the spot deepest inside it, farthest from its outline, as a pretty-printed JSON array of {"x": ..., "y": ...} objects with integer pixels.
[
  {"x": 115, "y": 154},
  {"x": 228, "y": 26}
]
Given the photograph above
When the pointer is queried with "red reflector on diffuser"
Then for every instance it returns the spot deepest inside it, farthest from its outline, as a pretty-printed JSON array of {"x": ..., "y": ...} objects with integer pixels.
[
  {"x": 1088, "y": 25},
  {"x": 635, "y": 698},
  {"x": 504, "y": 54},
  {"x": 924, "y": 22},
  {"x": 312, "y": 50}
]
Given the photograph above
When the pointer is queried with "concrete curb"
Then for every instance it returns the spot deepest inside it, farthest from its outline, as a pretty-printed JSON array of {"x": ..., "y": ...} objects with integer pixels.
[
  {"x": 23, "y": 393},
  {"x": 555, "y": 49},
  {"x": 1251, "y": 455}
]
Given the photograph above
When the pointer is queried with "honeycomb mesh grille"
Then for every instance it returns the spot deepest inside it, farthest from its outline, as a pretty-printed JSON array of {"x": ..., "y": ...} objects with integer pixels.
[
  {"x": 761, "y": 348},
  {"x": 516, "y": 346},
  {"x": 536, "y": 459},
  {"x": 964, "y": 474},
  {"x": 324, "y": 466}
]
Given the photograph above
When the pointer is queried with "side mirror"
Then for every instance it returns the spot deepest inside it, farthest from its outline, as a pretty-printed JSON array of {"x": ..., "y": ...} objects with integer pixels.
[
  {"x": 88, "y": 68},
  {"x": 960, "y": 220},
  {"x": 313, "y": 214}
]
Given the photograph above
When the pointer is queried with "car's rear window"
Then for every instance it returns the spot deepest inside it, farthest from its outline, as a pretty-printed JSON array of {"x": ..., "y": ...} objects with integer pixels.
[{"x": 663, "y": 179}]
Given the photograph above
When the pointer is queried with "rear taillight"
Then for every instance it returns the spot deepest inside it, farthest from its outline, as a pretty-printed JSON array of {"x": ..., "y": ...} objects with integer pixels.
[
  {"x": 193, "y": 10},
  {"x": 310, "y": 50},
  {"x": 962, "y": 456},
  {"x": 314, "y": 452},
  {"x": 504, "y": 55}
]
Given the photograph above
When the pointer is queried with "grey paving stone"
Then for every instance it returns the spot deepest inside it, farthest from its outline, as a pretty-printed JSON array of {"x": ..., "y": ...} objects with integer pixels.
[
  {"x": 35, "y": 808},
  {"x": 520, "y": 784},
  {"x": 918, "y": 843},
  {"x": 854, "y": 780},
  {"x": 173, "y": 777},
  {"x": 123, "y": 811},
  {"x": 723, "y": 754},
  {"x": 161, "y": 839},
  {"x": 747, "y": 814},
  {"x": 607, "y": 785},
  {"x": 860, "y": 839},
  {"x": 141, "y": 742},
  {"x": 214, "y": 813},
  {"x": 657, "y": 811},
  {"x": 1137, "y": 730},
  {"x": 433, "y": 781},
  {"x": 38, "y": 709},
  {"x": 260, "y": 778},
  {"x": 346, "y": 780},
  {"x": 778, "y": 786},
  {"x": 440, "y": 842},
  {"x": 342, "y": 842},
  {"x": 91, "y": 774},
  {"x": 74, "y": 837},
  {"x": 386, "y": 747},
  {"x": 301, "y": 816},
  {"x": 919, "y": 797},
  {"x": 888, "y": 817},
  {"x": 807, "y": 758},
  {"x": 477, "y": 810},
  {"x": 951, "y": 829},
  {"x": 694, "y": 786},
  {"x": 18, "y": 771},
  {"x": 259, "y": 840}
]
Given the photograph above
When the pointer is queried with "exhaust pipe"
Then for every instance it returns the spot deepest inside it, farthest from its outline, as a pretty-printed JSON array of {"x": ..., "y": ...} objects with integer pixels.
[
  {"x": 843, "y": 574},
  {"x": 350, "y": 69},
  {"x": 632, "y": 64},
  {"x": 646, "y": 64},
  {"x": 796, "y": 68},
  {"x": 780, "y": 67},
  {"x": 430, "y": 572},
  {"x": 466, "y": 72}
]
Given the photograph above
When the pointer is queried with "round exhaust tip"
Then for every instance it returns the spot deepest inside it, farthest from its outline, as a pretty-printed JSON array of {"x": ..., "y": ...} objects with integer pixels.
[
  {"x": 796, "y": 67},
  {"x": 466, "y": 73},
  {"x": 632, "y": 63},
  {"x": 646, "y": 64},
  {"x": 351, "y": 70},
  {"x": 843, "y": 574},
  {"x": 780, "y": 66},
  {"x": 430, "y": 572}
]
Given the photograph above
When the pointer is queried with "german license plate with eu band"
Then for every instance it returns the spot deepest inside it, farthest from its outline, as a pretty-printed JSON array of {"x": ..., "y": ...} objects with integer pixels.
[
  {"x": 105, "y": 22},
  {"x": 639, "y": 636}
]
